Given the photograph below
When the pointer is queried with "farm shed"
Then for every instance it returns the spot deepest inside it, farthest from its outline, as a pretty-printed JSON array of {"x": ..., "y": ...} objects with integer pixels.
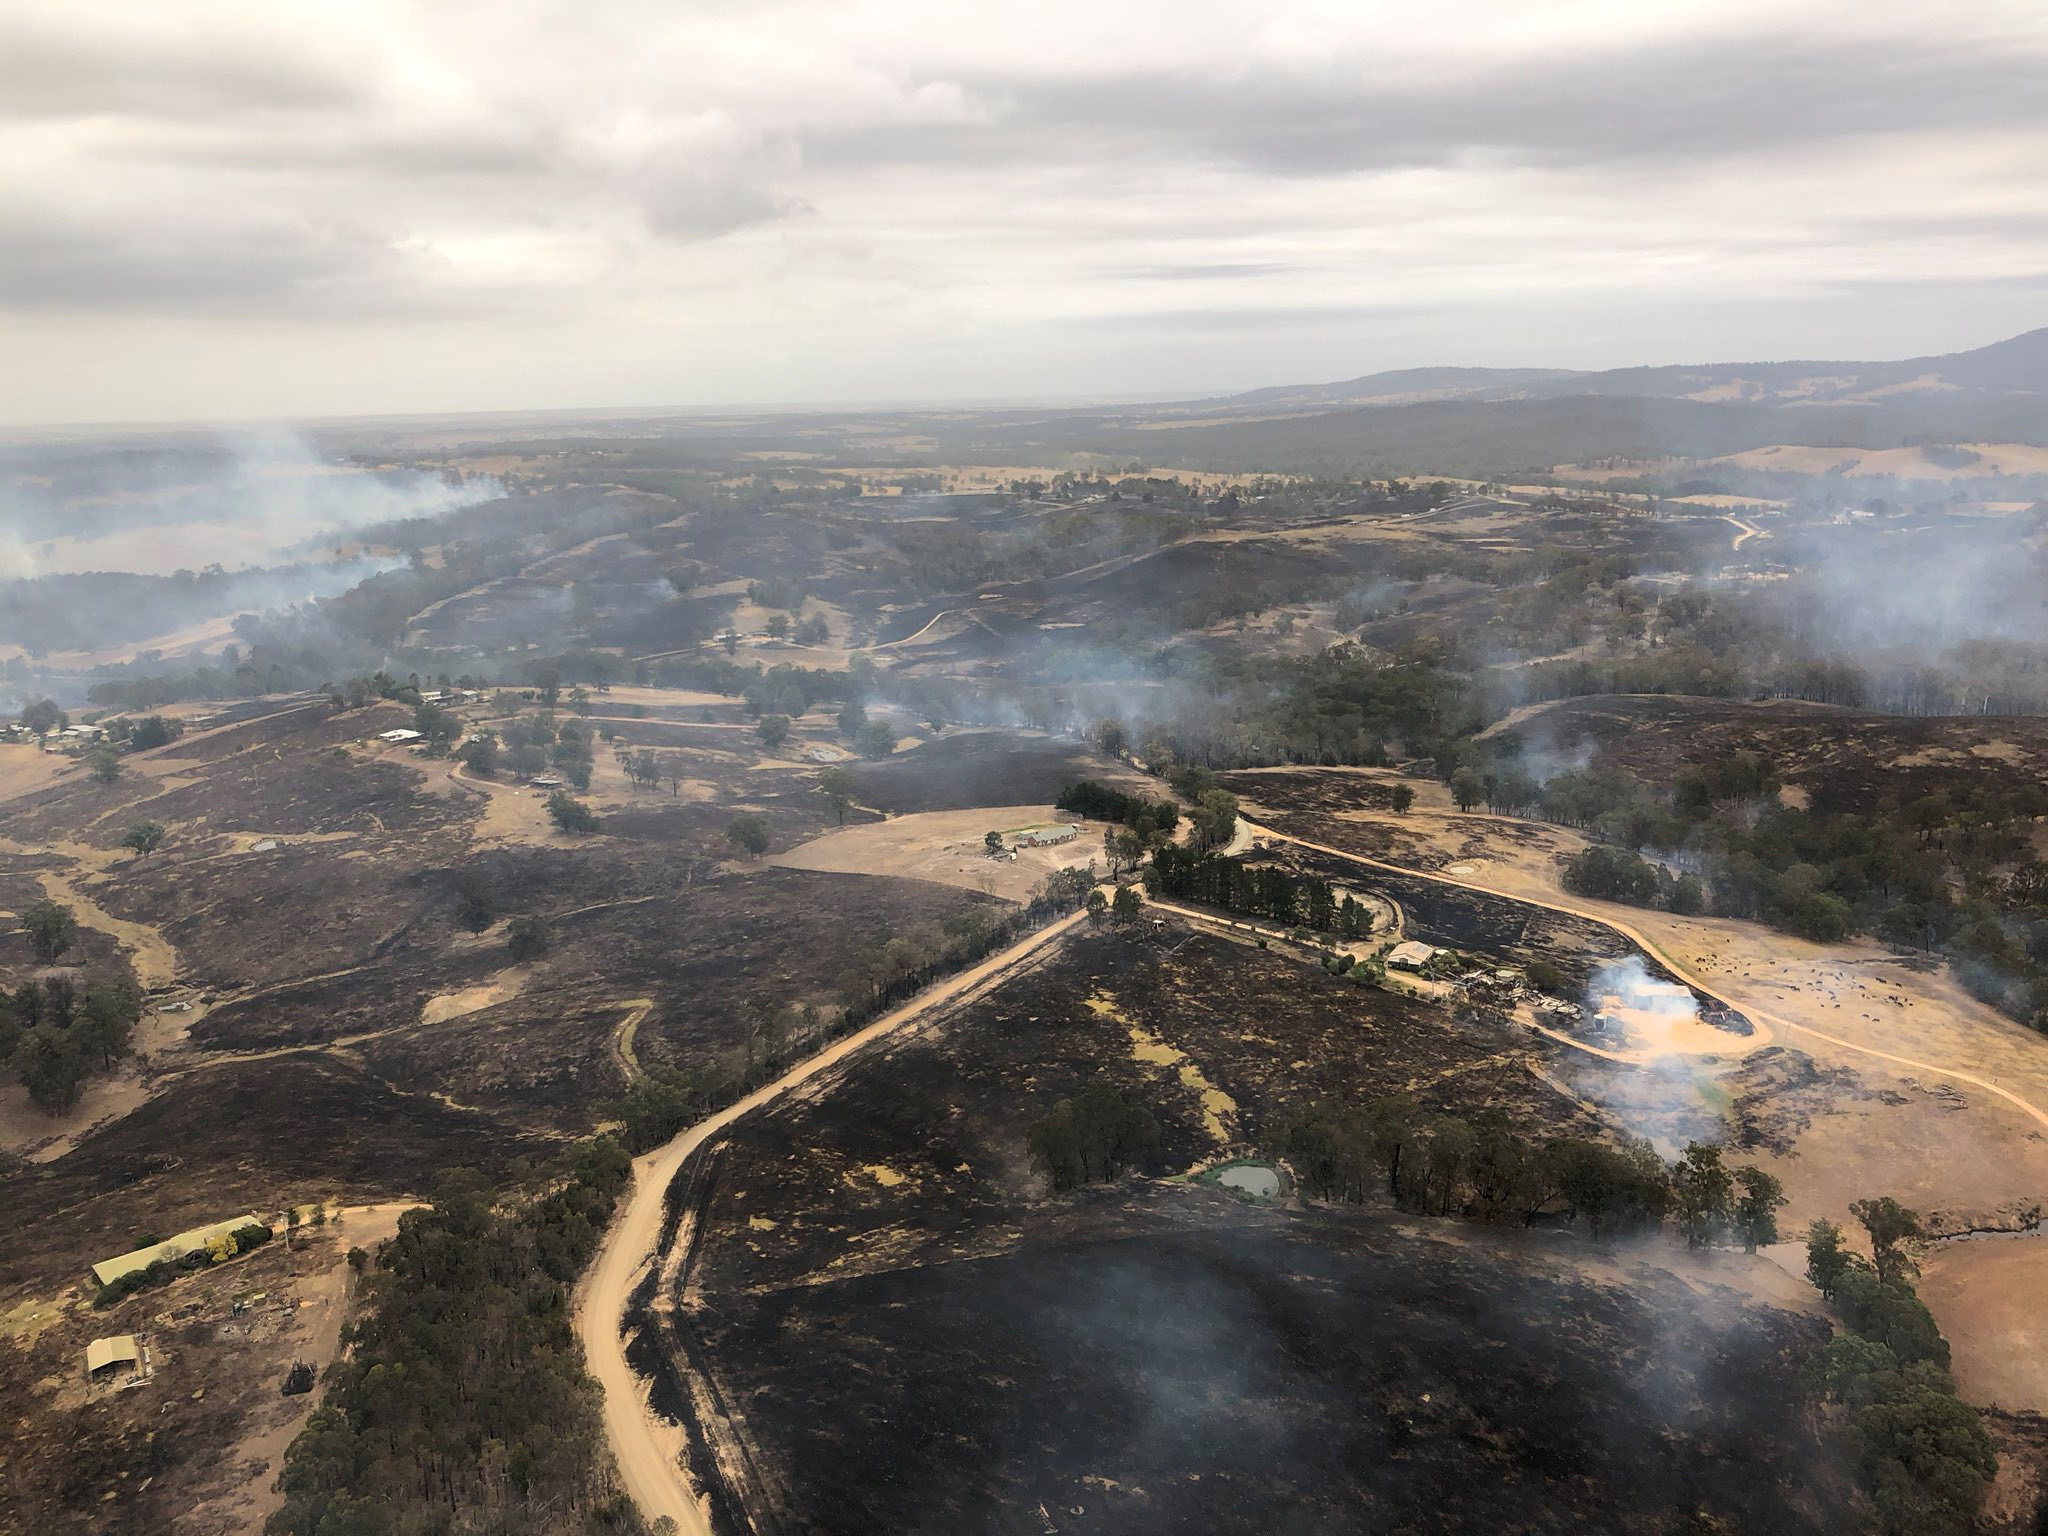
[
  {"x": 107, "y": 1271},
  {"x": 105, "y": 1354},
  {"x": 399, "y": 735}
]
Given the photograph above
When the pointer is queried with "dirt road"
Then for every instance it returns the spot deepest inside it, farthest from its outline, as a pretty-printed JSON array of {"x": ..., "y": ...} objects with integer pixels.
[
  {"x": 1634, "y": 936},
  {"x": 648, "y": 1450}
]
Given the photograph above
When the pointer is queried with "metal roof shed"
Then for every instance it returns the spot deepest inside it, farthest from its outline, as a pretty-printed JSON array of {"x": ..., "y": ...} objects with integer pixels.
[{"x": 120, "y": 1349}]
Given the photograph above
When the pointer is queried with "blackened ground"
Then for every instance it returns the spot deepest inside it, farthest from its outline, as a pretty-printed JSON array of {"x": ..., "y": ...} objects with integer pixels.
[
  {"x": 226, "y": 1140},
  {"x": 904, "y": 1333},
  {"x": 1845, "y": 759},
  {"x": 973, "y": 768},
  {"x": 1173, "y": 1360}
]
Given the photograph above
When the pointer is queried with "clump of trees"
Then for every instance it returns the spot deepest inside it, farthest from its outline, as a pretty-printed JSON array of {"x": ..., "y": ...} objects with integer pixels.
[
  {"x": 462, "y": 1403},
  {"x": 1607, "y": 873},
  {"x": 1149, "y": 818},
  {"x": 1260, "y": 890},
  {"x": 54, "y": 1034},
  {"x": 1092, "y": 1138},
  {"x": 1447, "y": 1165},
  {"x": 1923, "y": 1454}
]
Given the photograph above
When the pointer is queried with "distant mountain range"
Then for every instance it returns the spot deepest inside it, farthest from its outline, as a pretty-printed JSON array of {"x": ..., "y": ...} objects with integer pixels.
[
  {"x": 2015, "y": 367},
  {"x": 1519, "y": 421}
]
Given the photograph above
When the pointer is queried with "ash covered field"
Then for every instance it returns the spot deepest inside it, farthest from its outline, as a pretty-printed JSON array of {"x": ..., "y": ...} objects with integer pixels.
[{"x": 893, "y": 1328}]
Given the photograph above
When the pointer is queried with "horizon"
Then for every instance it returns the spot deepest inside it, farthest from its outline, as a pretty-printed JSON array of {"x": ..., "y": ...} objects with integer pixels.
[{"x": 28, "y": 430}]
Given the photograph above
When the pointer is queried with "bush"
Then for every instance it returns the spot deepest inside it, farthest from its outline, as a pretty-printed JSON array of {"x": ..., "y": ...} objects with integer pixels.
[
  {"x": 526, "y": 939},
  {"x": 570, "y": 814}
]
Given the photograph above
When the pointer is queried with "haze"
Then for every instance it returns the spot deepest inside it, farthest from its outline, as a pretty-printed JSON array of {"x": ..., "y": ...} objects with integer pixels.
[{"x": 230, "y": 210}]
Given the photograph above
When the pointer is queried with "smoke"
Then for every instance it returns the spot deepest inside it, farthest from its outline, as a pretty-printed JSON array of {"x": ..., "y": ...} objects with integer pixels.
[
  {"x": 1542, "y": 759},
  {"x": 255, "y": 499}
]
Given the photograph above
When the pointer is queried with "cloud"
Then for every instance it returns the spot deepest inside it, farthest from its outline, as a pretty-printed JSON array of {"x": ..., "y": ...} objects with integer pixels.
[{"x": 401, "y": 204}]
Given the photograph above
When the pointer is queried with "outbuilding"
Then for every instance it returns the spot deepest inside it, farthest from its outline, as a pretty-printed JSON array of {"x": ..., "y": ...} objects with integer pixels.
[
  {"x": 399, "y": 735},
  {"x": 103, "y": 1356}
]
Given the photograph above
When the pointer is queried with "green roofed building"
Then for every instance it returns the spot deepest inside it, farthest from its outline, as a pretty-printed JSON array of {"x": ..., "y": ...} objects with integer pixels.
[{"x": 107, "y": 1271}]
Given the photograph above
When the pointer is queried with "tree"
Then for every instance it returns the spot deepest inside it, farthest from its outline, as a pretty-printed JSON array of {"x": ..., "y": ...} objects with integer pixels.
[
  {"x": 1758, "y": 1197},
  {"x": 473, "y": 904},
  {"x": 1703, "y": 1194},
  {"x": 154, "y": 731},
  {"x": 875, "y": 740},
  {"x": 144, "y": 838},
  {"x": 1467, "y": 788},
  {"x": 480, "y": 755},
  {"x": 643, "y": 768},
  {"x": 773, "y": 731},
  {"x": 579, "y": 699},
  {"x": 570, "y": 814},
  {"x": 749, "y": 833},
  {"x": 1125, "y": 906},
  {"x": 1214, "y": 818},
  {"x": 1403, "y": 798},
  {"x": 50, "y": 928},
  {"x": 852, "y": 716},
  {"x": 778, "y": 625},
  {"x": 1827, "y": 1261},
  {"x": 526, "y": 939},
  {"x": 992, "y": 844},
  {"x": 1891, "y": 1226},
  {"x": 52, "y": 1068},
  {"x": 43, "y": 717},
  {"x": 837, "y": 786},
  {"x": 106, "y": 1019},
  {"x": 104, "y": 763},
  {"x": 1110, "y": 739},
  {"x": 1098, "y": 904}
]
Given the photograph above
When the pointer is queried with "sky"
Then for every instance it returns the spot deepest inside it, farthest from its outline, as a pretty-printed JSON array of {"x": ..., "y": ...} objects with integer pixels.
[{"x": 221, "y": 210}]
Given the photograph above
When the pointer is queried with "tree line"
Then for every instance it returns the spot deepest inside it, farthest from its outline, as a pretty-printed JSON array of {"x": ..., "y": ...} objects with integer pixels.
[
  {"x": 1482, "y": 1167},
  {"x": 1258, "y": 890},
  {"x": 462, "y": 1404},
  {"x": 1922, "y": 1453}
]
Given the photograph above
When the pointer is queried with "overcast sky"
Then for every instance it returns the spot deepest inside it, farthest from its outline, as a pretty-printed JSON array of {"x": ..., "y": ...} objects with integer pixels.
[{"x": 263, "y": 209}]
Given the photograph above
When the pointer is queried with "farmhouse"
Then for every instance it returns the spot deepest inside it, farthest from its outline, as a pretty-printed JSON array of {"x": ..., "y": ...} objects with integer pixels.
[
  {"x": 398, "y": 735},
  {"x": 1045, "y": 837},
  {"x": 1410, "y": 955},
  {"x": 107, "y": 1271}
]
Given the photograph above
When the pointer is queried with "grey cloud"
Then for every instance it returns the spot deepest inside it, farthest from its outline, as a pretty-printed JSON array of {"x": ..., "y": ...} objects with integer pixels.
[
  {"x": 60, "y": 263},
  {"x": 1657, "y": 105},
  {"x": 190, "y": 74},
  {"x": 1205, "y": 272}
]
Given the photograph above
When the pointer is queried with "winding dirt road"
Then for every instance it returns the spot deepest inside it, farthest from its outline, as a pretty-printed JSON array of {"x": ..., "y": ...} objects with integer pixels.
[{"x": 649, "y": 1450}]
